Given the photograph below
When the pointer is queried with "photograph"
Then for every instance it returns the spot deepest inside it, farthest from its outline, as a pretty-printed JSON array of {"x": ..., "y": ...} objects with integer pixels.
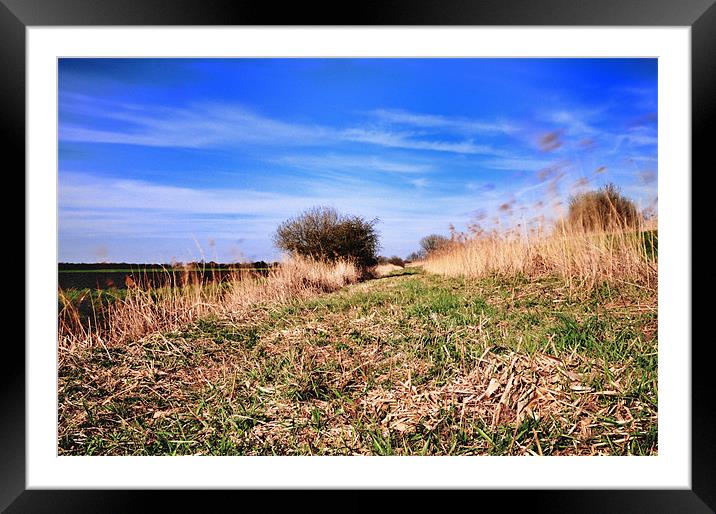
[{"x": 357, "y": 256}]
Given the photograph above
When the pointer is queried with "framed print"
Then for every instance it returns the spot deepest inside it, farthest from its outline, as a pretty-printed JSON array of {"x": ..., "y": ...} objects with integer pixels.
[{"x": 410, "y": 248}]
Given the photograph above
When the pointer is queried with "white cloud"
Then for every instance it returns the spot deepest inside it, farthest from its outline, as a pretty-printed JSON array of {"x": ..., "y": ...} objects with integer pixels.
[
  {"x": 196, "y": 126},
  {"x": 207, "y": 125},
  {"x": 407, "y": 140},
  {"x": 458, "y": 124},
  {"x": 518, "y": 164},
  {"x": 354, "y": 162}
]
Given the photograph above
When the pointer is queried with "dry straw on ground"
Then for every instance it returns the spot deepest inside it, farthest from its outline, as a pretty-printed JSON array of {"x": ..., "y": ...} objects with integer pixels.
[{"x": 507, "y": 389}]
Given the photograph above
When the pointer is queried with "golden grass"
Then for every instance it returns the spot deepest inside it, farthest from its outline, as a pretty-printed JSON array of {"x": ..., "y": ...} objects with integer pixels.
[
  {"x": 584, "y": 259},
  {"x": 381, "y": 270},
  {"x": 145, "y": 311}
]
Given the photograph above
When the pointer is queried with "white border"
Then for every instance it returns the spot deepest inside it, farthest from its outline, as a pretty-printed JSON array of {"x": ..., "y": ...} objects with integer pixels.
[{"x": 671, "y": 468}]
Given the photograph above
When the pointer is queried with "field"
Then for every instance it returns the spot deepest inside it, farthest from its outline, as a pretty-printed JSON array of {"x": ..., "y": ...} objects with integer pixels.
[
  {"x": 314, "y": 360},
  {"x": 111, "y": 277}
]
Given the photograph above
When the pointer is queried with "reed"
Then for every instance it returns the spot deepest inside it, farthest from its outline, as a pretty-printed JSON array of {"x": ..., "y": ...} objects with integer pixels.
[
  {"x": 584, "y": 258},
  {"x": 148, "y": 310}
]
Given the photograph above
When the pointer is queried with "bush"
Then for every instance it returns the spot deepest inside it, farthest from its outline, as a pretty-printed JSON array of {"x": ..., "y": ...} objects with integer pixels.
[
  {"x": 396, "y": 261},
  {"x": 323, "y": 233},
  {"x": 415, "y": 256},
  {"x": 605, "y": 209},
  {"x": 433, "y": 242}
]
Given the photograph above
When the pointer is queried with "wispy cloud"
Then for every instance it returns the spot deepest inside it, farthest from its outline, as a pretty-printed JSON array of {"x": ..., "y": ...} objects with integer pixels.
[
  {"x": 419, "y": 182},
  {"x": 196, "y": 126},
  {"x": 518, "y": 164},
  {"x": 574, "y": 122},
  {"x": 339, "y": 162},
  {"x": 410, "y": 140},
  {"x": 457, "y": 124},
  {"x": 205, "y": 125},
  {"x": 85, "y": 191}
]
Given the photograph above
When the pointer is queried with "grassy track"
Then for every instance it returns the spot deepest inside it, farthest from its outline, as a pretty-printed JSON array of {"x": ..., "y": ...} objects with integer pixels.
[{"x": 408, "y": 364}]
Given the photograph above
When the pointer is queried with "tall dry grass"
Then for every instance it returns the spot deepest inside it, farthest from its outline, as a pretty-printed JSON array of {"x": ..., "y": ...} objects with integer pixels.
[
  {"x": 145, "y": 311},
  {"x": 584, "y": 259},
  {"x": 602, "y": 238}
]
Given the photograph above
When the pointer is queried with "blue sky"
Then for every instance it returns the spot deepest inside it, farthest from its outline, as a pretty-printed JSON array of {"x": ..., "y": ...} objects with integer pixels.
[{"x": 183, "y": 159}]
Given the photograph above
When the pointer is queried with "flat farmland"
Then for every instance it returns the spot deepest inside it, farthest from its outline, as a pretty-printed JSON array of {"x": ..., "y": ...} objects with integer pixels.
[{"x": 121, "y": 278}]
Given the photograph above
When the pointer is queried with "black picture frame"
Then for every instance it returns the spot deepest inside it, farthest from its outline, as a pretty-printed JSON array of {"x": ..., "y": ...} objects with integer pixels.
[{"x": 700, "y": 15}]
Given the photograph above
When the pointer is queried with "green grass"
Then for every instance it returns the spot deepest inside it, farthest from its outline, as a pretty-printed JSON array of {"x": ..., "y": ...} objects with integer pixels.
[
  {"x": 336, "y": 375},
  {"x": 89, "y": 303}
]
